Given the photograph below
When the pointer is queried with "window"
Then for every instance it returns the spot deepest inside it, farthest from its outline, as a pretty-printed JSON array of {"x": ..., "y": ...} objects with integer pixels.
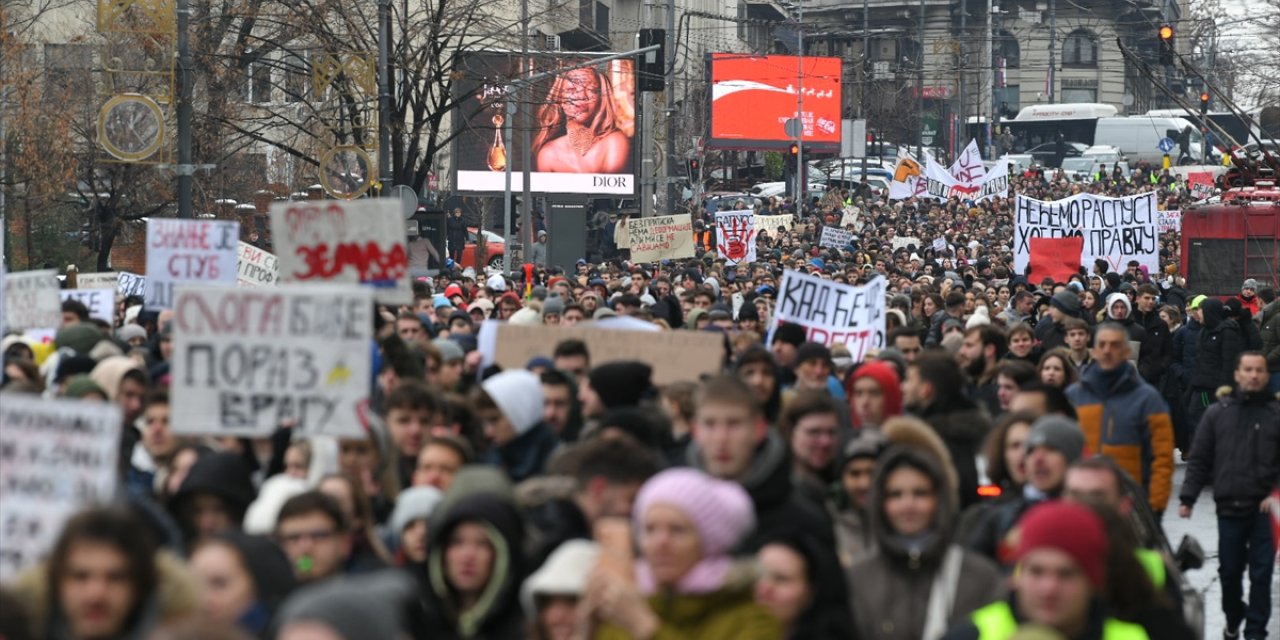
[
  {"x": 1007, "y": 98},
  {"x": 1080, "y": 49},
  {"x": 297, "y": 79},
  {"x": 742, "y": 20},
  {"x": 253, "y": 80},
  {"x": 1079, "y": 95},
  {"x": 69, "y": 72},
  {"x": 1005, "y": 46}
]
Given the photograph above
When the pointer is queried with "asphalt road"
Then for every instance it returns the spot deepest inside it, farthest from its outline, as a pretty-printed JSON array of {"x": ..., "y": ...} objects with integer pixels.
[{"x": 1203, "y": 526}]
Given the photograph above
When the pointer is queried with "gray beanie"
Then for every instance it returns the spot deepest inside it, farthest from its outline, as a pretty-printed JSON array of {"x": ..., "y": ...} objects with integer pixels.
[
  {"x": 1067, "y": 302},
  {"x": 553, "y": 306},
  {"x": 130, "y": 331},
  {"x": 449, "y": 350},
  {"x": 414, "y": 503},
  {"x": 356, "y": 607},
  {"x": 1060, "y": 433}
]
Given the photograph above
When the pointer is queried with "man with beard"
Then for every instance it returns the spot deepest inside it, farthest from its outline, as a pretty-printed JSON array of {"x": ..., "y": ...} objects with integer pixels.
[
  {"x": 934, "y": 391},
  {"x": 981, "y": 350}
]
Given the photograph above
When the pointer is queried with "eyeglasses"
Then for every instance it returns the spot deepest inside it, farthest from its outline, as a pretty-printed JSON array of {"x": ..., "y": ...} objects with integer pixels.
[{"x": 316, "y": 535}]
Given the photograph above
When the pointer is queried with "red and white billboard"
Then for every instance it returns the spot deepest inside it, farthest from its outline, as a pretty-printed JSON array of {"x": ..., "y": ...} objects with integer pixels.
[{"x": 752, "y": 97}]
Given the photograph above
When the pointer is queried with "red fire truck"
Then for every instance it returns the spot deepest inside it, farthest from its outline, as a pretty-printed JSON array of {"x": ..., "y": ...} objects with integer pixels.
[{"x": 1231, "y": 239}]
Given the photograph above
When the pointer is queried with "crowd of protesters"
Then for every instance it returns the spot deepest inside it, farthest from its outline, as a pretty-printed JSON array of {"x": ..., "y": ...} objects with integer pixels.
[{"x": 978, "y": 475}]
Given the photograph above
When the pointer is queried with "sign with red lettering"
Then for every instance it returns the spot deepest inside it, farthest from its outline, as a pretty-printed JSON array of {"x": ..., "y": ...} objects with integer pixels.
[
  {"x": 357, "y": 241},
  {"x": 833, "y": 313},
  {"x": 1056, "y": 258},
  {"x": 661, "y": 238},
  {"x": 188, "y": 251},
  {"x": 246, "y": 359}
]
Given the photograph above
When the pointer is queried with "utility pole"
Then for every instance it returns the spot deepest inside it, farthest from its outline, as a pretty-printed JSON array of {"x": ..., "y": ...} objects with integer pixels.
[
  {"x": 920, "y": 88},
  {"x": 648, "y": 181},
  {"x": 866, "y": 77},
  {"x": 989, "y": 66},
  {"x": 526, "y": 154},
  {"x": 385, "y": 176},
  {"x": 1053, "y": 44},
  {"x": 186, "y": 170},
  {"x": 801, "y": 171},
  {"x": 960, "y": 68},
  {"x": 673, "y": 194}
]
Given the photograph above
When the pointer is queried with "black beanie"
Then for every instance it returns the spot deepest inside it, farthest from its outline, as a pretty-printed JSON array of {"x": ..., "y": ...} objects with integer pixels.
[
  {"x": 792, "y": 334},
  {"x": 621, "y": 384}
]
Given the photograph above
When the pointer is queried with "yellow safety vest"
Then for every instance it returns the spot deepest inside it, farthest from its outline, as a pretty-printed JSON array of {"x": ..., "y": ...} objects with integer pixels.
[
  {"x": 996, "y": 622},
  {"x": 1153, "y": 562}
]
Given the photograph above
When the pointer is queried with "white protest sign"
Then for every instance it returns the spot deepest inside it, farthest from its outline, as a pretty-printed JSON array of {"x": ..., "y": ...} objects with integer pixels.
[
  {"x": 968, "y": 168},
  {"x": 900, "y": 242},
  {"x": 736, "y": 236},
  {"x": 1116, "y": 230},
  {"x": 257, "y": 267},
  {"x": 103, "y": 280},
  {"x": 131, "y": 284},
  {"x": 768, "y": 225},
  {"x": 661, "y": 238},
  {"x": 939, "y": 244},
  {"x": 1170, "y": 221},
  {"x": 244, "y": 359},
  {"x": 56, "y": 457},
  {"x": 188, "y": 251},
  {"x": 850, "y": 218},
  {"x": 835, "y": 238},
  {"x": 351, "y": 242},
  {"x": 942, "y": 185},
  {"x": 908, "y": 177},
  {"x": 31, "y": 300},
  {"x": 833, "y": 313},
  {"x": 101, "y": 302}
]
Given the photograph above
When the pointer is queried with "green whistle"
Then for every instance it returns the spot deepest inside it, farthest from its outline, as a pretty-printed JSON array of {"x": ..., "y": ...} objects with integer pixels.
[{"x": 306, "y": 564}]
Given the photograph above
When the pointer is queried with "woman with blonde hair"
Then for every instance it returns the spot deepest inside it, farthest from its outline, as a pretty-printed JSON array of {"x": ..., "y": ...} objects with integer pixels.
[{"x": 579, "y": 131}]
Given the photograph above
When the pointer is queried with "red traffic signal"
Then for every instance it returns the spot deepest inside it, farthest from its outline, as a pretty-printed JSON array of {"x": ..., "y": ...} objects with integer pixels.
[
  {"x": 1204, "y": 102},
  {"x": 1166, "y": 32},
  {"x": 794, "y": 150}
]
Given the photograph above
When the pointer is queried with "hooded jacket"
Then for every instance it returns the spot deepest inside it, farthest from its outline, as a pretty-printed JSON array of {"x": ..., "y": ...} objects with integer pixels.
[
  {"x": 1126, "y": 419},
  {"x": 496, "y": 614},
  {"x": 1186, "y": 343},
  {"x": 778, "y": 504},
  {"x": 272, "y": 579},
  {"x": 1237, "y": 450},
  {"x": 176, "y": 598},
  {"x": 892, "y": 585},
  {"x": 1136, "y": 332},
  {"x": 222, "y": 474},
  {"x": 1157, "y": 346},
  {"x": 1216, "y": 350}
]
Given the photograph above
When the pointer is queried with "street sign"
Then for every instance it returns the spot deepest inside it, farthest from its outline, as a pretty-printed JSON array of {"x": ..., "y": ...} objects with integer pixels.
[
  {"x": 792, "y": 127},
  {"x": 408, "y": 199},
  {"x": 1165, "y": 144},
  {"x": 853, "y": 139}
]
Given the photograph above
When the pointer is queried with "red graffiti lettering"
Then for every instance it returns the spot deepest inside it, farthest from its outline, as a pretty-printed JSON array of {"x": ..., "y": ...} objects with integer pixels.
[{"x": 370, "y": 262}]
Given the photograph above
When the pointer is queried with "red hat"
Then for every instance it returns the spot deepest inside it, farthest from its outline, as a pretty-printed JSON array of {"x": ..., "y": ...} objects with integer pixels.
[
  {"x": 887, "y": 377},
  {"x": 454, "y": 290},
  {"x": 1073, "y": 529}
]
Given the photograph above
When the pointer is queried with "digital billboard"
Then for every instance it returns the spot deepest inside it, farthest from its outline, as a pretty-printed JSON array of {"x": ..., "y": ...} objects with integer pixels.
[
  {"x": 582, "y": 125},
  {"x": 752, "y": 97}
]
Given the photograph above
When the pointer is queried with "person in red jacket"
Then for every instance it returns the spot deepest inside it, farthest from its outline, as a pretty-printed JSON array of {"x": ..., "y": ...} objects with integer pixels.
[{"x": 1249, "y": 297}]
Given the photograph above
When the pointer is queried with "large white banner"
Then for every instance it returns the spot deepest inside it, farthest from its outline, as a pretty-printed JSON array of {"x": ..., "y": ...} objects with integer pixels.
[
  {"x": 736, "y": 236},
  {"x": 188, "y": 251},
  {"x": 942, "y": 185},
  {"x": 350, "y": 242},
  {"x": 31, "y": 300},
  {"x": 244, "y": 359},
  {"x": 833, "y": 313},
  {"x": 968, "y": 168},
  {"x": 1114, "y": 229},
  {"x": 908, "y": 177},
  {"x": 56, "y": 457}
]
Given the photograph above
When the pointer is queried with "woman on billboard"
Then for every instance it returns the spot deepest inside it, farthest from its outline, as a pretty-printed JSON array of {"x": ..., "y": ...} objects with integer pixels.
[{"x": 579, "y": 128}]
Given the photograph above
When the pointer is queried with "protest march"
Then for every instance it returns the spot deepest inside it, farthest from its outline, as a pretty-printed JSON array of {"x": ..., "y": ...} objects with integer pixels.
[{"x": 985, "y": 403}]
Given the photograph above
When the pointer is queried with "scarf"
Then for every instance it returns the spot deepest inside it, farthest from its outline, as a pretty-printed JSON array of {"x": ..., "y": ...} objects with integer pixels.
[{"x": 708, "y": 576}]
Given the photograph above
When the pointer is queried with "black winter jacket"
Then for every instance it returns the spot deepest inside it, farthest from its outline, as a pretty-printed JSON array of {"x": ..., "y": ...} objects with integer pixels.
[
  {"x": 1186, "y": 342},
  {"x": 1219, "y": 344},
  {"x": 1237, "y": 450}
]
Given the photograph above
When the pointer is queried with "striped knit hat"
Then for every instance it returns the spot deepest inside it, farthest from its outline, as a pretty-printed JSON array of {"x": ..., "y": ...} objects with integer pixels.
[{"x": 720, "y": 510}]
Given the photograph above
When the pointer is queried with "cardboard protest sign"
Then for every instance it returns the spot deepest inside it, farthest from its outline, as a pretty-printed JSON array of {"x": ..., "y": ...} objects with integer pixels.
[
  {"x": 31, "y": 300},
  {"x": 246, "y": 358},
  {"x": 101, "y": 302},
  {"x": 768, "y": 225},
  {"x": 850, "y": 218},
  {"x": 835, "y": 238},
  {"x": 1114, "y": 229},
  {"x": 1057, "y": 258},
  {"x": 102, "y": 280},
  {"x": 131, "y": 284},
  {"x": 674, "y": 355},
  {"x": 188, "y": 251},
  {"x": 661, "y": 238},
  {"x": 1170, "y": 221},
  {"x": 736, "y": 236},
  {"x": 257, "y": 267},
  {"x": 56, "y": 457},
  {"x": 833, "y": 313},
  {"x": 344, "y": 241}
]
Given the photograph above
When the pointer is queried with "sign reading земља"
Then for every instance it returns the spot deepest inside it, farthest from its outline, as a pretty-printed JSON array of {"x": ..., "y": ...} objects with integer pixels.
[
  {"x": 356, "y": 242},
  {"x": 244, "y": 359},
  {"x": 1114, "y": 229}
]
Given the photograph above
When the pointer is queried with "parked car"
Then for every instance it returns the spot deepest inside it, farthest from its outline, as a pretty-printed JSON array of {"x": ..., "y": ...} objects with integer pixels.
[
  {"x": 714, "y": 201},
  {"x": 495, "y": 248},
  {"x": 1046, "y": 154}
]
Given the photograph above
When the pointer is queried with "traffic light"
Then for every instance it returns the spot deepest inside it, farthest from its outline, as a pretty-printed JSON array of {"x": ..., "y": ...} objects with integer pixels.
[
  {"x": 871, "y": 145},
  {"x": 694, "y": 168},
  {"x": 1204, "y": 102},
  {"x": 793, "y": 158},
  {"x": 1166, "y": 44}
]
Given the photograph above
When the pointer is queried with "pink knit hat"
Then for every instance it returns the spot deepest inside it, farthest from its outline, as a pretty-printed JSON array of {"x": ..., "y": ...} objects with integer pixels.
[{"x": 720, "y": 510}]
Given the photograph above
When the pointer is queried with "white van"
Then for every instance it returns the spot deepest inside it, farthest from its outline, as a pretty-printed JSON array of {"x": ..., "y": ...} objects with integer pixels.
[{"x": 1139, "y": 137}]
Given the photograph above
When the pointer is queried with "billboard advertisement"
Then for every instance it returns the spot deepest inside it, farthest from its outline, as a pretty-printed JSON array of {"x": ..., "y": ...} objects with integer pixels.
[
  {"x": 752, "y": 97},
  {"x": 582, "y": 120}
]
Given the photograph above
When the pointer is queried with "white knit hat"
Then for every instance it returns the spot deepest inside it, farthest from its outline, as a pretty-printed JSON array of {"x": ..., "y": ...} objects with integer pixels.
[
  {"x": 260, "y": 519},
  {"x": 518, "y": 394},
  {"x": 563, "y": 574},
  {"x": 497, "y": 282}
]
